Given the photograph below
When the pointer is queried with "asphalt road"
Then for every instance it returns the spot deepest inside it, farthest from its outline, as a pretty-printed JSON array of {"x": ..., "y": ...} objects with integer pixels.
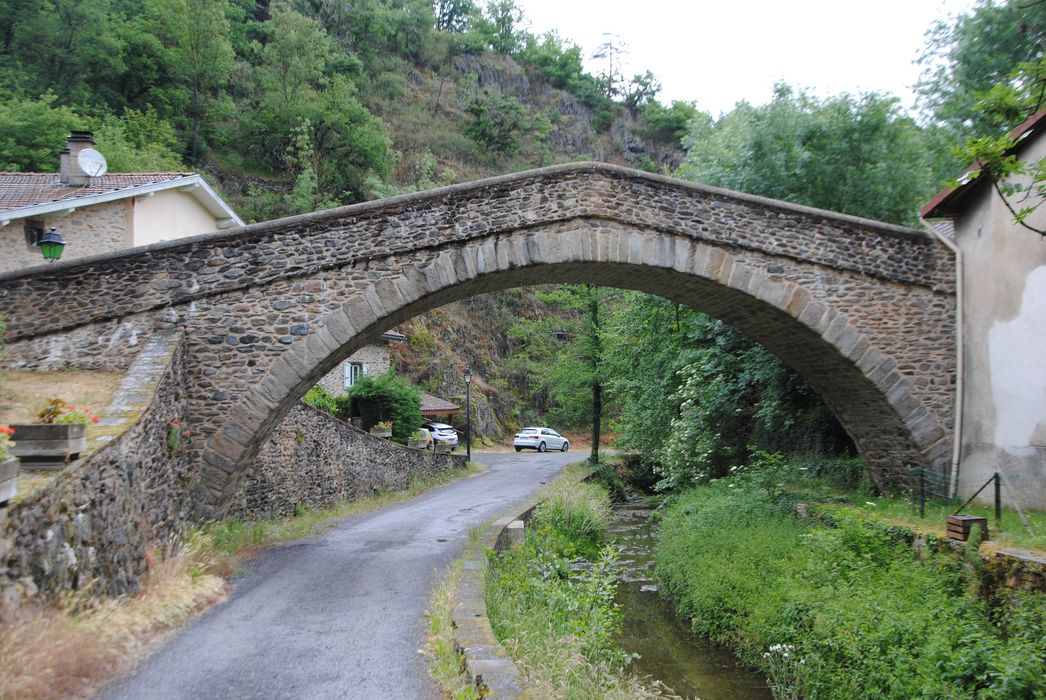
[{"x": 341, "y": 615}]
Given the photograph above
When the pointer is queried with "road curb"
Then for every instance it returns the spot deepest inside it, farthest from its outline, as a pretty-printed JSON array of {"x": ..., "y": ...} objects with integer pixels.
[{"x": 486, "y": 663}]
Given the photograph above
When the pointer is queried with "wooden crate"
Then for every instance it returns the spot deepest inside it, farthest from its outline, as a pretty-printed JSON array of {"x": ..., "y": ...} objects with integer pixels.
[{"x": 959, "y": 527}]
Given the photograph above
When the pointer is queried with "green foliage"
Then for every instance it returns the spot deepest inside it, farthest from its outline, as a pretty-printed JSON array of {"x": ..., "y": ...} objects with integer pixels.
[
  {"x": 385, "y": 398},
  {"x": 503, "y": 124},
  {"x": 138, "y": 142},
  {"x": 854, "y": 155},
  {"x": 543, "y": 609},
  {"x": 967, "y": 56},
  {"x": 33, "y": 131},
  {"x": 691, "y": 394},
  {"x": 318, "y": 398},
  {"x": 859, "y": 616},
  {"x": 670, "y": 124}
]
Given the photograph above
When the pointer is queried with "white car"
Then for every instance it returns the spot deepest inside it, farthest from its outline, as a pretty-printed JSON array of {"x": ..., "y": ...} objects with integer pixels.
[
  {"x": 442, "y": 433},
  {"x": 540, "y": 439}
]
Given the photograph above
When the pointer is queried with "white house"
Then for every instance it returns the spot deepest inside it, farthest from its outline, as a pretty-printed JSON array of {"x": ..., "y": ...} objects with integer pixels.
[
  {"x": 1001, "y": 413},
  {"x": 103, "y": 213}
]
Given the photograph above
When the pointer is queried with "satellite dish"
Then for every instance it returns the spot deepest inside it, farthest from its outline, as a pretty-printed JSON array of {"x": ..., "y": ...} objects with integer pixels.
[{"x": 92, "y": 162}]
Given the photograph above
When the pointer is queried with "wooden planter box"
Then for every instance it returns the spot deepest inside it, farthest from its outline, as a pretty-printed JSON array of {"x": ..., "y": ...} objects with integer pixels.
[
  {"x": 417, "y": 444},
  {"x": 8, "y": 480},
  {"x": 959, "y": 527},
  {"x": 48, "y": 445},
  {"x": 381, "y": 433}
]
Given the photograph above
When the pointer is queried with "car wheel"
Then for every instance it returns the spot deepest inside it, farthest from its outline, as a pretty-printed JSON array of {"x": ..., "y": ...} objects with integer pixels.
[
  {"x": 565, "y": 446},
  {"x": 519, "y": 449},
  {"x": 541, "y": 447}
]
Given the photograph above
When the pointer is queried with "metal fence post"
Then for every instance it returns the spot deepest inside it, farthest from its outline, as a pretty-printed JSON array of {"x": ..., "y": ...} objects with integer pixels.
[
  {"x": 922, "y": 494},
  {"x": 998, "y": 502}
]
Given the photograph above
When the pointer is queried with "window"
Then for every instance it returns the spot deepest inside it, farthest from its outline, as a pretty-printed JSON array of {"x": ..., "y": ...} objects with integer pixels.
[
  {"x": 34, "y": 229},
  {"x": 352, "y": 372}
]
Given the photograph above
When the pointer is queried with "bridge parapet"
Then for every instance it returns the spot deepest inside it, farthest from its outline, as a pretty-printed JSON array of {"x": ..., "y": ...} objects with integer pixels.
[{"x": 100, "y": 288}]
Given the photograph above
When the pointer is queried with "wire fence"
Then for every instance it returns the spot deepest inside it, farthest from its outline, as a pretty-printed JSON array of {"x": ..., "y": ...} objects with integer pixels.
[{"x": 927, "y": 487}]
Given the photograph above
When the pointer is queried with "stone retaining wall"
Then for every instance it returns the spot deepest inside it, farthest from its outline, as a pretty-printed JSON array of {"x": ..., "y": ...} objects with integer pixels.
[
  {"x": 95, "y": 524},
  {"x": 316, "y": 460}
]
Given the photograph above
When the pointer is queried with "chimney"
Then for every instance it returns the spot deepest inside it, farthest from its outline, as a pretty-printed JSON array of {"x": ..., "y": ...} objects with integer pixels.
[{"x": 70, "y": 172}]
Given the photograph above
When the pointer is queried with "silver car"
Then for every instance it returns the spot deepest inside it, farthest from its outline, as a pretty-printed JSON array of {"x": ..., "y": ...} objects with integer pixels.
[{"x": 540, "y": 439}]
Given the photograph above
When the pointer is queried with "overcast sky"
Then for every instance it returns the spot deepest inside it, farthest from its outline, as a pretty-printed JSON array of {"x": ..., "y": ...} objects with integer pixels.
[{"x": 716, "y": 53}]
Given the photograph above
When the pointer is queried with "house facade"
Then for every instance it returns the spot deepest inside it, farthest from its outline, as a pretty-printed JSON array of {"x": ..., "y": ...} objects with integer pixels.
[
  {"x": 104, "y": 213},
  {"x": 1001, "y": 424}
]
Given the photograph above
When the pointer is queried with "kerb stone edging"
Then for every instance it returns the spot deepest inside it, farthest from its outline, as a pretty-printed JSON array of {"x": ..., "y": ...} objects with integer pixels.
[{"x": 484, "y": 660}]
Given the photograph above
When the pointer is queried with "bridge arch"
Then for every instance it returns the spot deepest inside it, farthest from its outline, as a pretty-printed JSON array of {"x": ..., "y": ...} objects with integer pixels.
[
  {"x": 865, "y": 311},
  {"x": 858, "y": 380}
]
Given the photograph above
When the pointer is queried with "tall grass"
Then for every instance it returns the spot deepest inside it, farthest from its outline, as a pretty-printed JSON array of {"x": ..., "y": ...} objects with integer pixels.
[
  {"x": 843, "y": 612},
  {"x": 67, "y": 650},
  {"x": 559, "y": 620}
]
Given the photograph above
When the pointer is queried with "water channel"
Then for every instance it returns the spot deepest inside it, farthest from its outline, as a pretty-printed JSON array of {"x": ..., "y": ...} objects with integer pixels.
[{"x": 669, "y": 651}]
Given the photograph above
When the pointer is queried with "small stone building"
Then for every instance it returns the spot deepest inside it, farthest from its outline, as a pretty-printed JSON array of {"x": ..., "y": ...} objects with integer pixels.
[
  {"x": 1002, "y": 301},
  {"x": 373, "y": 360},
  {"x": 102, "y": 214},
  {"x": 369, "y": 360}
]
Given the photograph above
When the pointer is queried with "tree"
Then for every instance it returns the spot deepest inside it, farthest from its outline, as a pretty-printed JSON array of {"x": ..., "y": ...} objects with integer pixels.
[
  {"x": 499, "y": 27},
  {"x": 990, "y": 75},
  {"x": 965, "y": 58},
  {"x": 454, "y": 16},
  {"x": 856, "y": 155},
  {"x": 612, "y": 50},
  {"x": 33, "y": 131}
]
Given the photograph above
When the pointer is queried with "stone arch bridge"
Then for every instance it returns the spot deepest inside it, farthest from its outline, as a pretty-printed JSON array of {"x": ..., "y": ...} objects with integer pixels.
[{"x": 864, "y": 311}]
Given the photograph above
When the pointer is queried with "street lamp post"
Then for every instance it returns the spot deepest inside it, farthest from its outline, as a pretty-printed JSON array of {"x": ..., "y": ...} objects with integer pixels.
[{"x": 468, "y": 414}]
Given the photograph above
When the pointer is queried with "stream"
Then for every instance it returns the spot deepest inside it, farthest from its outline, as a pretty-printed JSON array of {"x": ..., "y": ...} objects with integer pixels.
[{"x": 669, "y": 652}]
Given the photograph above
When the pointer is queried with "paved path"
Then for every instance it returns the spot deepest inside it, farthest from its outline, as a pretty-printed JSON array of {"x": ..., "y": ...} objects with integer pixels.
[{"x": 339, "y": 616}]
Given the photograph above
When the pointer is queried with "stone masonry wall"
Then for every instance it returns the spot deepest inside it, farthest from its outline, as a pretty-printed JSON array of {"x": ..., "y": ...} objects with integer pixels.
[
  {"x": 375, "y": 357},
  {"x": 95, "y": 523},
  {"x": 317, "y": 460},
  {"x": 93, "y": 230},
  {"x": 863, "y": 310}
]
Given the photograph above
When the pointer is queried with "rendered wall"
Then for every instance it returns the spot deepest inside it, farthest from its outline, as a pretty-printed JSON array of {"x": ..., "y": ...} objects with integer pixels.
[
  {"x": 170, "y": 215},
  {"x": 1004, "y": 326}
]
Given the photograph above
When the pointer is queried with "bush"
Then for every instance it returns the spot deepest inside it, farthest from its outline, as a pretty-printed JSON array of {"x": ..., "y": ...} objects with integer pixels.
[
  {"x": 560, "y": 621},
  {"x": 844, "y": 612},
  {"x": 385, "y": 398},
  {"x": 318, "y": 398}
]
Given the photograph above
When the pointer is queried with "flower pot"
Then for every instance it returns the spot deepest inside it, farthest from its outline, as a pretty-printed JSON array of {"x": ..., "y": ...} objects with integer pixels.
[
  {"x": 417, "y": 444},
  {"x": 8, "y": 479},
  {"x": 48, "y": 445},
  {"x": 382, "y": 433}
]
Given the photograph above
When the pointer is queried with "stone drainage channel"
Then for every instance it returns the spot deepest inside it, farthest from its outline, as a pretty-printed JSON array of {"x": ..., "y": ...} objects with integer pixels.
[{"x": 669, "y": 651}]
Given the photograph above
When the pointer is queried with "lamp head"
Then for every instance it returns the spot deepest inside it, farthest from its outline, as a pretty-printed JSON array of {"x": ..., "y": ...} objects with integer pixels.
[{"x": 51, "y": 245}]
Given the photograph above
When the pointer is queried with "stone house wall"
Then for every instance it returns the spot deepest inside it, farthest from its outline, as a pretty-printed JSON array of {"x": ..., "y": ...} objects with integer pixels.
[
  {"x": 316, "y": 460},
  {"x": 102, "y": 228},
  {"x": 375, "y": 359}
]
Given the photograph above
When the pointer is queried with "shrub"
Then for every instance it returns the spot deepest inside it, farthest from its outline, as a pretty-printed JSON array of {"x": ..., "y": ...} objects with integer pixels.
[
  {"x": 318, "y": 398},
  {"x": 384, "y": 398},
  {"x": 859, "y": 616}
]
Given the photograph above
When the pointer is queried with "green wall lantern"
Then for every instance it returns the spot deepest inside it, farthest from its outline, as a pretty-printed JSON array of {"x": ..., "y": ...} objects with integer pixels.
[{"x": 51, "y": 245}]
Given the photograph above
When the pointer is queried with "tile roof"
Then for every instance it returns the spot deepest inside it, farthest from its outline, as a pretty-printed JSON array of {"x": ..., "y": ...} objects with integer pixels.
[
  {"x": 433, "y": 405},
  {"x": 19, "y": 190}
]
